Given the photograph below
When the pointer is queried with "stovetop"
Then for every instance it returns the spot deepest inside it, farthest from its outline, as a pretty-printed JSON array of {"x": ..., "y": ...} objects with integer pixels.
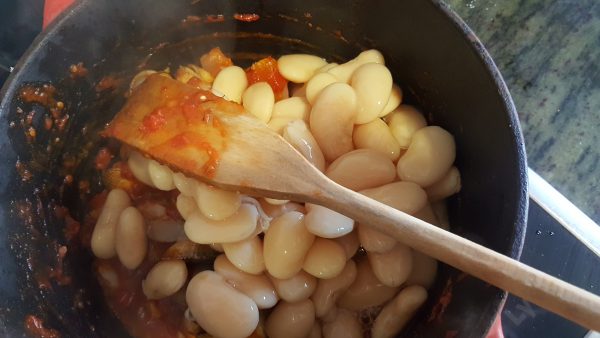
[{"x": 548, "y": 246}]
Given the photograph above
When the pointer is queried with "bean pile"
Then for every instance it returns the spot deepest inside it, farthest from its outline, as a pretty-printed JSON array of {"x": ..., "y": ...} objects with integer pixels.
[{"x": 282, "y": 268}]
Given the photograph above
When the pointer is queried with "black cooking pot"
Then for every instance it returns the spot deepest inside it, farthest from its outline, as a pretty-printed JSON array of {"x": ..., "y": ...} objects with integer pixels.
[{"x": 432, "y": 54}]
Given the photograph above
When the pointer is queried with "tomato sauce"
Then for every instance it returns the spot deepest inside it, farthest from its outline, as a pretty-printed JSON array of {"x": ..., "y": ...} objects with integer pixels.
[
  {"x": 247, "y": 17},
  {"x": 103, "y": 158},
  {"x": 78, "y": 70},
  {"x": 214, "y": 61},
  {"x": 265, "y": 70},
  {"x": 107, "y": 83},
  {"x": 140, "y": 316},
  {"x": 43, "y": 95},
  {"x": 35, "y": 328}
]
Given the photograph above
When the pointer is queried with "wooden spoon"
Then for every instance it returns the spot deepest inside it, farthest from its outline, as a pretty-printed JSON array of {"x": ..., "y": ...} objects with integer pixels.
[{"x": 201, "y": 135}]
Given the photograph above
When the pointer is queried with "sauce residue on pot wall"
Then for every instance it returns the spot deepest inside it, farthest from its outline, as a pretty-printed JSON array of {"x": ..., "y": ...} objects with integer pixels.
[
  {"x": 35, "y": 328},
  {"x": 246, "y": 17}
]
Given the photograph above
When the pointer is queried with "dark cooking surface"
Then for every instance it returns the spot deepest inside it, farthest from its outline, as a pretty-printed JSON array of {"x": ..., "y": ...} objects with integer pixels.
[{"x": 557, "y": 254}]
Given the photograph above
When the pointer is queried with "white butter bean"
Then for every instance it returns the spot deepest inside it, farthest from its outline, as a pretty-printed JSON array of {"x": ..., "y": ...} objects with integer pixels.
[
  {"x": 376, "y": 135},
  {"x": 221, "y": 310},
  {"x": 393, "y": 102},
  {"x": 277, "y": 124},
  {"x": 373, "y": 240},
  {"x": 362, "y": 169},
  {"x": 286, "y": 244},
  {"x": 404, "y": 196},
  {"x": 187, "y": 186},
  {"x": 231, "y": 82},
  {"x": 327, "y": 223},
  {"x": 332, "y": 120},
  {"x": 258, "y": 100},
  {"x": 185, "y": 205},
  {"x": 372, "y": 83},
  {"x": 404, "y": 122},
  {"x": 350, "y": 243},
  {"x": 366, "y": 291},
  {"x": 315, "y": 85},
  {"x": 296, "y": 108},
  {"x": 103, "y": 236},
  {"x": 131, "y": 244},
  {"x": 299, "y": 68},
  {"x": 429, "y": 156},
  {"x": 139, "y": 167},
  {"x": 397, "y": 313},
  {"x": 291, "y": 320},
  {"x": 299, "y": 287},
  {"x": 238, "y": 227},
  {"x": 216, "y": 204},
  {"x": 424, "y": 270},
  {"x": 329, "y": 290},
  {"x": 161, "y": 176},
  {"x": 298, "y": 135},
  {"x": 393, "y": 267},
  {"x": 447, "y": 186},
  {"x": 325, "y": 259},
  {"x": 344, "y": 71},
  {"x": 257, "y": 287},
  {"x": 345, "y": 325},
  {"x": 164, "y": 279},
  {"x": 246, "y": 255}
]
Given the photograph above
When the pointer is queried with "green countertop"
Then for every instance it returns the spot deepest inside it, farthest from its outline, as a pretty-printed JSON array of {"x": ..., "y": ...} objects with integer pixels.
[{"x": 548, "y": 52}]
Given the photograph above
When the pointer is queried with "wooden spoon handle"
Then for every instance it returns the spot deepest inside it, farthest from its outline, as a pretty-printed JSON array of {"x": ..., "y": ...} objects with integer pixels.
[{"x": 557, "y": 296}]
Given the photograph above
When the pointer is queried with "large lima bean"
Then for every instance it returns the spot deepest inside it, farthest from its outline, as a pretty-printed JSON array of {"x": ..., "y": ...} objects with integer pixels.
[
  {"x": 257, "y": 287},
  {"x": 220, "y": 309},
  {"x": 362, "y": 169},
  {"x": 164, "y": 279},
  {"x": 299, "y": 68},
  {"x": 398, "y": 312},
  {"x": 299, "y": 287},
  {"x": 372, "y": 83},
  {"x": 327, "y": 223},
  {"x": 131, "y": 244},
  {"x": 238, "y": 227},
  {"x": 325, "y": 259},
  {"x": 258, "y": 100},
  {"x": 246, "y": 255},
  {"x": 231, "y": 82},
  {"x": 286, "y": 244},
  {"x": 103, "y": 236},
  {"x": 429, "y": 156},
  {"x": 291, "y": 320},
  {"x": 332, "y": 120}
]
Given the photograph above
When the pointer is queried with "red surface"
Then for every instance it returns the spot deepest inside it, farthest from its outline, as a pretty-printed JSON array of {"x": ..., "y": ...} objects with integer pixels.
[
  {"x": 52, "y": 8},
  {"x": 496, "y": 330}
]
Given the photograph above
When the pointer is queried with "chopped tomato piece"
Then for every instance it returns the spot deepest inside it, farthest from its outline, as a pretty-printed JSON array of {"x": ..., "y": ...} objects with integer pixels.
[
  {"x": 266, "y": 70},
  {"x": 214, "y": 61}
]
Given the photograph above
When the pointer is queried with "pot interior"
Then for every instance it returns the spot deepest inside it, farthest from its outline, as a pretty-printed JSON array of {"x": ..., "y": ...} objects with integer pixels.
[{"x": 433, "y": 57}]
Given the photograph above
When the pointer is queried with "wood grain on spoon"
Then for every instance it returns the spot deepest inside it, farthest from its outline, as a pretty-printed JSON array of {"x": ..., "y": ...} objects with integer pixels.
[{"x": 206, "y": 137}]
